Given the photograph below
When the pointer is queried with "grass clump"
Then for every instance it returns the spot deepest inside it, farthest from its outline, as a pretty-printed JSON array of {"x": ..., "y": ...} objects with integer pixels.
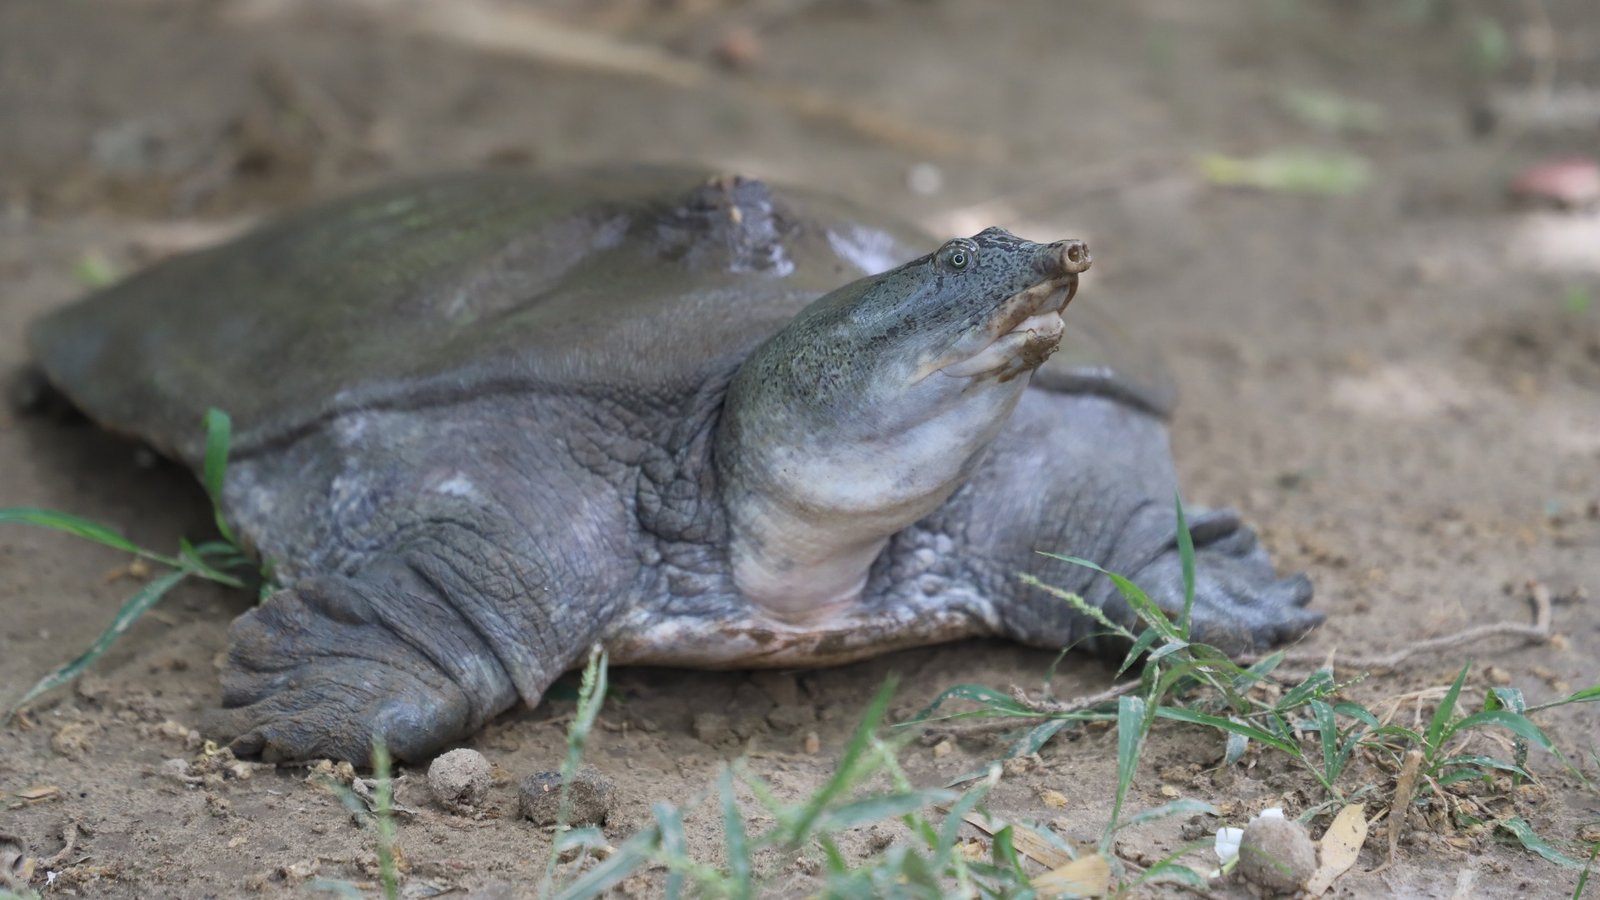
[{"x": 220, "y": 561}]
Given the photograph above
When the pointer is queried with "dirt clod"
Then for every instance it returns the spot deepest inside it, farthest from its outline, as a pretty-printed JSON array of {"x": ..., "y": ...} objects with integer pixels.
[
  {"x": 460, "y": 779},
  {"x": 591, "y": 797},
  {"x": 1277, "y": 855},
  {"x": 714, "y": 729}
]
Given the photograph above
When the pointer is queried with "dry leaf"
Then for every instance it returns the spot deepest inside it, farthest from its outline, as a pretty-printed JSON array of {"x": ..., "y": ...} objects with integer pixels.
[
  {"x": 1340, "y": 847},
  {"x": 39, "y": 793},
  {"x": 1086, "y": 876},
  {"x": 1026, "y": 840}
]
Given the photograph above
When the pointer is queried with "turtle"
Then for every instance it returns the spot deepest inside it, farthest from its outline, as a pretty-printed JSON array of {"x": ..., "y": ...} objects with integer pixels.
[{"x": 484, "y": 422}]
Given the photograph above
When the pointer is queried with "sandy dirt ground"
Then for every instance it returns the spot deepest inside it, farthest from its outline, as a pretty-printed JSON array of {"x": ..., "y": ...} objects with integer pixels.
[{"x": 1399, "y": 386}]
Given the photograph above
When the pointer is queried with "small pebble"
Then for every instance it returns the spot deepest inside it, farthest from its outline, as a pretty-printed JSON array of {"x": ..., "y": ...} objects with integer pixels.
[
  {"x": 460, "y": 779},
  {"x": 1277, "y": 855},
  {"x": 591, "y": 798}
]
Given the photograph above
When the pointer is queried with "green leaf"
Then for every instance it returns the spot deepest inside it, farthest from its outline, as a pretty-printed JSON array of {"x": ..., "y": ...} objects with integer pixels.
[
  {"x": 1523, "y": 832},
  {"x": 131, "y": 610}
]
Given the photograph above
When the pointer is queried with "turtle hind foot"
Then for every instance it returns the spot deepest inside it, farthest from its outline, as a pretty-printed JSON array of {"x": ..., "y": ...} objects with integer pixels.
[
  {"x": 1240, "y": 603},
  {"x": 318, "y": 671}
]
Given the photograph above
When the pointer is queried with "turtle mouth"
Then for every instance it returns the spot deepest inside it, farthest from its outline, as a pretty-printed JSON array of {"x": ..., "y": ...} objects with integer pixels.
[{"x": 1025, "y": 330}]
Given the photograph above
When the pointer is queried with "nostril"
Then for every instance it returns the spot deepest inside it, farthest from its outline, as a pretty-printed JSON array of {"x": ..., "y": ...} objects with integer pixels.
[{"x": 1075, "y": 256}]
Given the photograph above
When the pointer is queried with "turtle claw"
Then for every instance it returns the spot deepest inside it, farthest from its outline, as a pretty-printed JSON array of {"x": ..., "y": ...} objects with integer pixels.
[
  {"x": 341, "y": 711},
  {"x": 1240, "y": 604},
  {"x": 316, "y": 672}
]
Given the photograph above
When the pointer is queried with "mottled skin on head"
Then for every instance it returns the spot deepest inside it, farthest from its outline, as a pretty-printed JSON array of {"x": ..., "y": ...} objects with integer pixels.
[
  {"x": 484, "y": 422},
  {"x": 863, "y": 414}
]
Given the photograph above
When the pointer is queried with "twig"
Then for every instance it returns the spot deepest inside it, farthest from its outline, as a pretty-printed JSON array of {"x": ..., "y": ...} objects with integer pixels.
[
  {"x": 1052, "y": 707},
  {"x": 1537, "y": 633},
  {"x": 69, "y": 834}
]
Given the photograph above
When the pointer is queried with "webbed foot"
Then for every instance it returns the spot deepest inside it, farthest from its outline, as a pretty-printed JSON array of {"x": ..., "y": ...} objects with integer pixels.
[
  {"x": 327, "y": 667},
  {"x": 1240, "y": 603}
]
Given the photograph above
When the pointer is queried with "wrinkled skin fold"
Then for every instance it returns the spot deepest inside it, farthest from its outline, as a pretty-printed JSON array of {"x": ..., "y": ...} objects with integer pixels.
[{"x": 486, "y": 422}]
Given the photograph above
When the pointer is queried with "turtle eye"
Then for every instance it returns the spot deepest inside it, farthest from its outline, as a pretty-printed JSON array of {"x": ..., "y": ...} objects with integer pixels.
[{"x": 958, "y": 256}]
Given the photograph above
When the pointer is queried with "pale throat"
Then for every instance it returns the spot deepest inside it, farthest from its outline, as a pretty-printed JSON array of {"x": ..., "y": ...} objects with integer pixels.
[{"x": 815, "y": 519}]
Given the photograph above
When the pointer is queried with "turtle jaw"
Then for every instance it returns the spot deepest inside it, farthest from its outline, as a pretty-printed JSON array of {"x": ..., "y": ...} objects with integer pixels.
[{"x": 1025, "y": 330}]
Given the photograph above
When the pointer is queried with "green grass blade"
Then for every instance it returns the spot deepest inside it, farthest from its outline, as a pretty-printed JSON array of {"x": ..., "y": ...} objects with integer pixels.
[
  {"x": 1180, "y": 714},
  {"x": 1357, "y": 712},
  {"x": 1146, "y": 639},
  {"x": 1583, "y": 877},
  {"x": 876, "y": 809},
  {"x": 591, "y": 696},
  {"x": 1082, "y": 606},
  {"x": 383, "y": 800},
  {"x": 1530, "y": 839},
  {"x": 739, "y": 865},
  {"x": 1587, "y": 695},
  {"x": 1186, "y": 558},
  {"x": 219, "y": 435},
  {"x": 1183, "y": 806},
  {"x": 1328, "y": 738},
  {"x": 844, "y": 775},
  {"x": 983, "y": 695},
  {"x": 79, "y": 527},
  {"x": 615, "y": 869},
  {"x": 1169, "y": 869},
  {"x": 673, "y": 846},
  {"x": 1316, "y": 685},
  {"x": 1138, "y": 600},
  {"x": 1130, "y": 738},
  {"x": 1435, "y": 732},
  {"x": 131, "y": 610},
  {"x": 1519, "y": 725},
  {"x": 1483, "y": 762}
]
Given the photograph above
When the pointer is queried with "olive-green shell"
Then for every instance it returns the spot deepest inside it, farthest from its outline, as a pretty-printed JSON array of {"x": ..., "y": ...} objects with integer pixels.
[{"x": 431, "y": 290}]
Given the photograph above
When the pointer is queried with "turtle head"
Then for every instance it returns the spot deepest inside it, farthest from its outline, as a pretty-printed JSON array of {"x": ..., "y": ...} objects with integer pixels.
[{"x": 874, "y": 404}]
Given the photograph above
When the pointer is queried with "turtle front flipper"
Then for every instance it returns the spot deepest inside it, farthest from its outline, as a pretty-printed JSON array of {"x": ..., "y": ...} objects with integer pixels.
[
  {"x": 1092, "y": 477},
  {"x": 328, "y": 667},
  {"x": 439, "y": 564}
]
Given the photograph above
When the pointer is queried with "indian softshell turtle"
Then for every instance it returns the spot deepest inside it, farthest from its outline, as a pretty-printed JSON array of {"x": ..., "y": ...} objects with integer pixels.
[{"x": 486, "y": 421}]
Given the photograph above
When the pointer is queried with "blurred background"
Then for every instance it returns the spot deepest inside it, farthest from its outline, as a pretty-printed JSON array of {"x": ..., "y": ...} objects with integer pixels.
[{"x": 1362, "y": 233}]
